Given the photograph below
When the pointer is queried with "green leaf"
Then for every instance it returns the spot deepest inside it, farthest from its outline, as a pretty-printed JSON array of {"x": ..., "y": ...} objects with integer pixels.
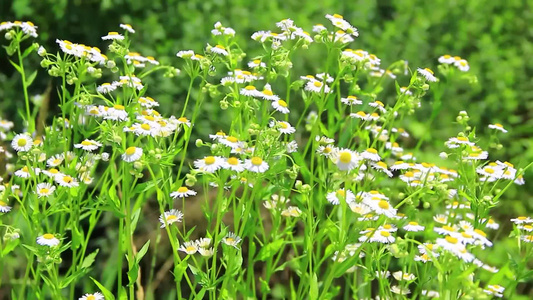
[
  {"x": 9, "y": 246},
  {"x": 89, "y": 260},
  {"x": 17, "y": 67},
  {"x": 269, "y": 250},
  {"x": 133, "y": 273},
  {"x": 107, "y": 294},
  {"x": 313, "y": 287},
  {"x": 77, "y": 238},
  {"x": 122, "y": 294},
  {"x": 142, "y": 252},
  {"x": 31, "y": 78}
]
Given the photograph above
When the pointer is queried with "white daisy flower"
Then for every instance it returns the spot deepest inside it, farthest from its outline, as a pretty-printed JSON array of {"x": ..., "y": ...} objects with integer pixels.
[
  {"x": 281, "y": 106},
  {"x": 231, "y": 239},
  {"x": 291, "y": 211},
  {"x": 44, "y": 189},
  {"x": 206, "y": 252},
  {"x": 256, "y": 165},
  {"x": 4, "y": 208},
  {"x": 127, "y": 27},
  {"x": 106, "y": 88},
  {"x": 316, "y": 86},
  {"x": 94, "y": 296},
  {"x": 234, "y": 164},
  {"x": 340, "y": 195},
  {"x": 413, "y": 226},
  {"x": 66, "y": 180},
  {"x": 189, "y": 247},
  {"x": 256, "y": 63},
  {"x": 251, "y": 91},
  {"x": 47, "y": 239},
  {"x": 428, "y": 74},
  {"x": 132, "y": 154},
  {"x": 55, "y": 160},
  {"x": 209, "y": 164},
  {"x": 22, "y": 142},
  {"x": 170, "y": 217},
  {"x": 219, "y": 49},
  {"x": 88, "y": 145},
  {"x": 446, "y": 59},
  {"x": 399, "y": 275},
  {"x": 113, "y": 35},
  {"x": 25, "y": 172},
  {"x": 186, "y": 54},
  {"x": 351, "y": 100},
  {"x": 379, "y": 105},
  {"x": 497, "y": 126},
  {"x": 462, "y": 65},
  {"x": 182, "y": 192},
  {"x": 346, "y": 159},
  {"x": 371, "y": 154},
  {"x": 382, "y": 236},
  {"x": 283, "y": 127}
]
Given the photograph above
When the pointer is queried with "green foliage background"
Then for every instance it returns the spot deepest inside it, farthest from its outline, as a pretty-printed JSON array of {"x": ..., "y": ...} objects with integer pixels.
[{"x": 496, "y": 37}]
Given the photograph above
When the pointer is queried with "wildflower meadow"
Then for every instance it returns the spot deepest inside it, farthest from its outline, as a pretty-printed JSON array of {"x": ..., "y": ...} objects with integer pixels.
[{"x": 310, "y": 187}]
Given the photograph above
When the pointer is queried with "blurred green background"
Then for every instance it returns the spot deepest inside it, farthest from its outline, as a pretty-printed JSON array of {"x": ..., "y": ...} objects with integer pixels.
[{"x": 494, "y": 36}]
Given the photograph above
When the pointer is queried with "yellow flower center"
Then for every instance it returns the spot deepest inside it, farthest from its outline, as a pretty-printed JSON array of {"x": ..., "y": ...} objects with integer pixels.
[
  {"x": 67, "y": 179},
  {"x": 341, "y": 193},
  {"x": 48, "y": 236},
  {"x": 22, "y": 142},
  {"x": 409, "y": 174},
  {"x": 451, "y": 240},
  {"x": 44, "y": 191},
  {"x": 131, "y": 150},
  {"x": 387, "y": 226},
  {"x": 256, "y": 161},
  {"x": 480, "y": 232},
  {"x": 345, "y": 157},
  {"x": 385, "y": 233},
  {"x": 462, "y": 139},
  {"x": 220, "y": 47},
  {"x": 171, "y": 218},
  {"x": 119, "y": 107},
  {"x": 250, "y": 88},
  {"x": 489, "y": 170},
  {"x": 183, "y": 189},
  {"x": 232, "y": 139},
  {"x": 183, "y": 120},
  {"x": 317, "y": 84},
  {"x": 466, "y": 235},
  {"x": 448, "y": 228},
  {"x": 86, "y": 143},
  {"x": 413, "y": 223},
  {"x": 2, "y": 203},
  {"x": 429, "y": 70},
  {"x": 233, "y": 161},
  {"x": 209, "y": 160},
  {"x": 372, "y": 150},
  {"x": 25, "y": 169},
  {"x": 383, "y": 204},
  {"x": 382, "y": 164},
  {"x": 327, "y": 150},
  {"x": 268, "y": 92},
  {"x": 145, "y": 126},
  {"x": 282, "y": 103},
  {"x": 361, "y": 114}
]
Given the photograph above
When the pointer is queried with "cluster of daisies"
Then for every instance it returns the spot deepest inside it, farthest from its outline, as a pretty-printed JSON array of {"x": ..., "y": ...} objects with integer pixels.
[
  {"x": 457, "y": 61},
  {"x": 27, "y": 28},
  {"x": 489, "y": 172}
]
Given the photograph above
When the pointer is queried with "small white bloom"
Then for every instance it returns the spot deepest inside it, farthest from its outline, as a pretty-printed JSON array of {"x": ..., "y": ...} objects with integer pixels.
[
  {"x": 427, "y": 74},
  {"x": 47, "y": 239},
  {"x": 22, "y": 142},
  {"x": 113, "y": 35},
  {"x": 170, "y": 217},
  {"x": 132, "y": 154}
]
